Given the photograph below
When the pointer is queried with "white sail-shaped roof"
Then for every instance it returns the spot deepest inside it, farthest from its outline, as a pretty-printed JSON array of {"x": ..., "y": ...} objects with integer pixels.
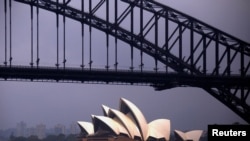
[
  {"x": 122, "y": 129},
  {"x": 106, "y": 121},
  {"x": 86, "y": 127},
  {"x": 126, "y": 122},
  {"x": 153, "y": 133},
  {"x": 191, "y": 135},
  {"x": 180, "y": 135},
  {"x": 128, "y": 107},
  {"x": 113, "y": 125},
  {"x": 105, "y": 110},
  {"x": 194, "y": 134},
  {"x": 161, "y": 127}
]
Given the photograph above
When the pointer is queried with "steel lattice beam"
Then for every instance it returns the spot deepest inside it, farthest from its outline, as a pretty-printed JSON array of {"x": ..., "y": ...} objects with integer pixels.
[{"x": 233, "y": 46}]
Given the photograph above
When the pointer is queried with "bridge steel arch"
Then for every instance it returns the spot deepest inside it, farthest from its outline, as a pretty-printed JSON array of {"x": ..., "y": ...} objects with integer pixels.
[{"x": 234, "y": 96}]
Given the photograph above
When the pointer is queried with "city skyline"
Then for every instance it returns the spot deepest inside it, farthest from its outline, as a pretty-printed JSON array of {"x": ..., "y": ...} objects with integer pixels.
[
  {"x": 67, "y": 125},
  {"x": 22, "y": 129}
]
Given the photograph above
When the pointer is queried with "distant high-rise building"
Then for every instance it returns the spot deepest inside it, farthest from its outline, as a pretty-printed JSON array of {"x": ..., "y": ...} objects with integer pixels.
[
  {"x": 59, "y": 129},
  {"x": 74, "y": 128},
  {"x": 40, "y": 131},
  {"x": 31, "y": 131},
  {"x": 21, "y": 129}
]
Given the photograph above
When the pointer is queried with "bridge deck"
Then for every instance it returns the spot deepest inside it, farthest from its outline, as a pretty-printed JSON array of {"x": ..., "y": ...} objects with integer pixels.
[{"x": 153, "y": 78}]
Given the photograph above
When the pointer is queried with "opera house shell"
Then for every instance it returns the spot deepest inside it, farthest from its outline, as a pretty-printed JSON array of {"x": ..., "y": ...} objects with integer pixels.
[{"x": 129, "y": 124}]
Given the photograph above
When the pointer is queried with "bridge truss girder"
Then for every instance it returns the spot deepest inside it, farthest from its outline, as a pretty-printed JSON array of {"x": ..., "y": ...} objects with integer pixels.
[{"x": 233, "y": 97}]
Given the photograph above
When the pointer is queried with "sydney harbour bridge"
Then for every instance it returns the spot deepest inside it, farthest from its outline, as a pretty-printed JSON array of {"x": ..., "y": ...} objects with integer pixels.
[{"x": 130, "y": 42}]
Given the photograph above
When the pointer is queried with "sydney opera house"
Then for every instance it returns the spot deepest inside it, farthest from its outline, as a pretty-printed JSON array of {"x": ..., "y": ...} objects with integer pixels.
[{"x": 129, "y": 124}]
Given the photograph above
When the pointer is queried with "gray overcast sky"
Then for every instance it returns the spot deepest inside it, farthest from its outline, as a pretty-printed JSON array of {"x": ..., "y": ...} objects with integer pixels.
[{"x": 187, "y": 108}]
